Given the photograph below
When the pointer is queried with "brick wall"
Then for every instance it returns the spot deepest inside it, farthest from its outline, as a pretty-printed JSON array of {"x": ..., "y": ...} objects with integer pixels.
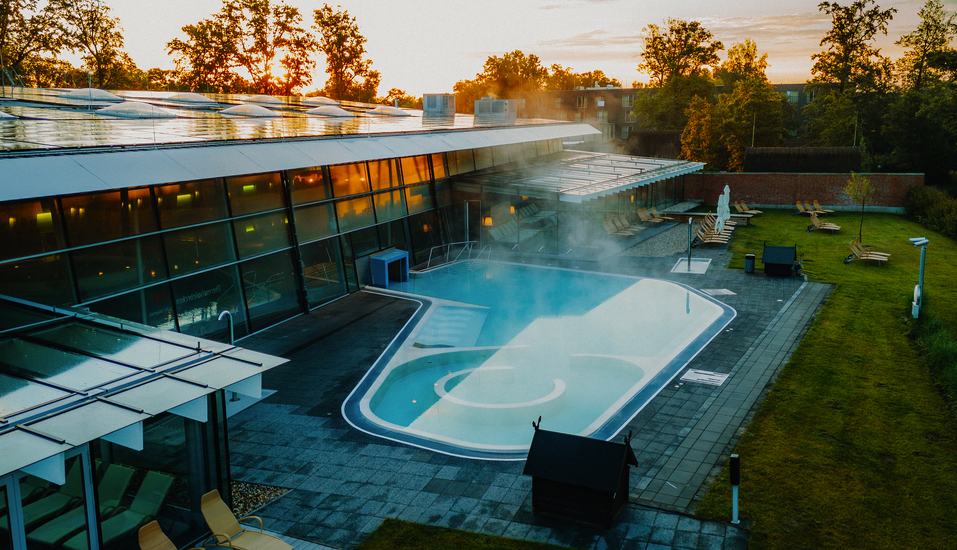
[{"x": 778, "y": 189}]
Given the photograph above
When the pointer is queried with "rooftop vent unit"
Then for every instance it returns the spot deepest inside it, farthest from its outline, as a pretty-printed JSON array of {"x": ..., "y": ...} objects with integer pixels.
[
  {"x": 386, "y": 110},
  {"x": 507, "y": 108},
  {"x": 190, "y": 97},
  {"x": 319, "y": 100},
  {"x": 134, "y": 109},
  {"x": 438, "y": 104},
  {"x": 329, "y": 110},
  {"x": 90, "y": 94},
  {"x": 249, "y": 111}
]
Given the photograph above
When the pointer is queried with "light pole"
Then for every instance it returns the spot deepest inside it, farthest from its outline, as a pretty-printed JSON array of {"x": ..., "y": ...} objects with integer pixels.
[{"x": 919, "y": 289}]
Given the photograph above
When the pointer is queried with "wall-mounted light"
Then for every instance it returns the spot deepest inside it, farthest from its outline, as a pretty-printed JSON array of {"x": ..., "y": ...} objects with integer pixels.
[{"x": 487, "y": 222}]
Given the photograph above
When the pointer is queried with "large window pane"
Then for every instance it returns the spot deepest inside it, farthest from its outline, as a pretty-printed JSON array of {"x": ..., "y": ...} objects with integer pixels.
[
  {"x": 261, "y": 234},
  {"x": 200, "y": 299},
  {"x": 6, "y": 540},
  {"x": 355, "y": 214},
  {"x": 460, "y": 162},
  {"x": 44, "y": 280},
  {"x": 192, "y": 202},
  {"x": 349, "y": 179},
  {"x": 270, "y": 285},
  {"x": 309, "y": 185},
  {"x": 391, "y": 234},
  {"x": 152, "y": 306},
  {"x": 102, "y": 217},
  {"x": 382, "y": 174},
  {"x": 438, "y": 165},
  {"x": 256, "y": 193},
  {"x": 323, "y": 271},
  {"x": 424, "y": 236},
  {"x": 28, "y": 228},
  {"x": 364, "y": 242},
  {"x": 315, "y": 222},
  {"x": 52, "y": 512},
  {"x": 113, "y": 268},
  {"x": 419, "y": 198},
  {"x": 389, "y": 205},
  {"x": 197, "y": 248},
  {"x": 414, "y": 169},
  {"x": 483, "y": 157}
]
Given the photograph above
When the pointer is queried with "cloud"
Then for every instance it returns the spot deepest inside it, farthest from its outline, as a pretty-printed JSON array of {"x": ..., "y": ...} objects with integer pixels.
[{"x": 574, "y": 4}]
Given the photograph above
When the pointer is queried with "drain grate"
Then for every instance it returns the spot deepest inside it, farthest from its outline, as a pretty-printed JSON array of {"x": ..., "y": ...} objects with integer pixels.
[{"x": 704, "y": 377}]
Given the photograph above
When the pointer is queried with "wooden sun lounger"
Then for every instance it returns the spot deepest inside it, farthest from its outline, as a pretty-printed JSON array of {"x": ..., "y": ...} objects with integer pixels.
[
  {"x": 826, "y": 226},
  {"x": 743, "y": 209},
  {"x": 646, "y": 216},
  {"x": 819, "y": 210},
  {"x": 654, "y": 212},
  {"x": 859, "y": 252},
  {"x": 227, "y": 530},
  {"x": 612, "y": 230}
]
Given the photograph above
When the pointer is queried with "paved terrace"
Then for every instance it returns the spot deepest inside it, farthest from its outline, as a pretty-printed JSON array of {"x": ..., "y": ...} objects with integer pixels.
[{"x": 345, "y": 483}]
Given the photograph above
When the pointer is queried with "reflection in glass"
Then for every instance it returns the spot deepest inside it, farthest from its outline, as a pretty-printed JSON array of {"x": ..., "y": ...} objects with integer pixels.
[
  {"x": 483, "y": 157},
  {"x": 43, "y": 280},
  {"x": 255, "y": 193},
  {"x": 460, "y": 162},
  {"x": 391, "y": 234},
  {"x": 99, "y": 217},
  {"x": 323, "y": 271},
  {"x": 17, "y": 394},
  {"x": 419, "y": 198},
  {"x": 115, "y": 345},
  {"x": 414, "y": 169},
  {"x": 200, "y": 299},
  {"x": 423, "y": 235},
  {"x": 389, "y": 205},
  {"x": 315, "y": 222},
  {"x": 438, "y": 165},
  {"x": 111, "y": 267},
  {"x": 197, "y": 248},
  {"x": 382, "y": 174},
  {"x": 151, "y": 306},
  {"x": 500, "y": 154},
  {"x": 61, "y": 368},
  {"x": 55, "y": 512},
  {"x": 355, "y": 213},
  {"x": 29, "y": 227},
  {"x": 364, "y": 242},
  {"x": 261, "y": 234},
  {"x": 349, "y": 179},
  {"x": 309, "y": 185},
  {"x": 270, "y": 287},
  {"x": 192, "y": 202},
  {"x": 6, "y": 540}
]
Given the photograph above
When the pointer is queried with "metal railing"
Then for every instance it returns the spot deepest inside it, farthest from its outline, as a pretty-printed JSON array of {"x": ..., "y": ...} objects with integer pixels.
[{"x": 443, "y": 257}]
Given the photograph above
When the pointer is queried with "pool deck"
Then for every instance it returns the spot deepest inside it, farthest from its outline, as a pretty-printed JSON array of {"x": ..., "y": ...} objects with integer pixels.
[{"x": 345, "y": 483}]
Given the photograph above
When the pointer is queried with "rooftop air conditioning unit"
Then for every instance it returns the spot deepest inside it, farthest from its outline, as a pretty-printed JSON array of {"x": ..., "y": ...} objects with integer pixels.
[{"x": 438, "y": 104}]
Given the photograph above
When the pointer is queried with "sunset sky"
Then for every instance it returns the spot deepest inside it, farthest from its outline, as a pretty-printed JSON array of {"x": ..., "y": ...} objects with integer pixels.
[{"x": 425, "y": 46}]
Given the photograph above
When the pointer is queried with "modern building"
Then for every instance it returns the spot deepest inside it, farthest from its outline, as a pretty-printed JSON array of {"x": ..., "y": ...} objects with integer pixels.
[{"x": 134, "y": 218}]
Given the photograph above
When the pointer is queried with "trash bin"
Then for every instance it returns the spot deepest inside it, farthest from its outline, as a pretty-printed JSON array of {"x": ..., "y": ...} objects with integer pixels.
[{"x": 749, "y": 263}]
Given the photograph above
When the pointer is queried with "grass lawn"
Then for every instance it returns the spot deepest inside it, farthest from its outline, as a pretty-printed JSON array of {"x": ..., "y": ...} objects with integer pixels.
[
  {"x": 854, "y": 446},
  {"x": 394, "y": 534}
]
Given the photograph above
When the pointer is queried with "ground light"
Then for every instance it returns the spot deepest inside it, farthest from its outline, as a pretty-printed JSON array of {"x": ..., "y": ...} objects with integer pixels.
[{"x": 922, "y": 242}]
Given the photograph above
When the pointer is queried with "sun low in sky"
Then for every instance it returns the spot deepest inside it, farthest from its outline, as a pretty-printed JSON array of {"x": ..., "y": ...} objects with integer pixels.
[{"x": 424, "y": 46}]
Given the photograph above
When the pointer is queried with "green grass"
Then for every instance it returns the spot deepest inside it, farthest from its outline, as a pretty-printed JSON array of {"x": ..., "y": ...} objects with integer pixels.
[
  {"x": 855, "y": 446},
  {"x": 394, "y": 534}
]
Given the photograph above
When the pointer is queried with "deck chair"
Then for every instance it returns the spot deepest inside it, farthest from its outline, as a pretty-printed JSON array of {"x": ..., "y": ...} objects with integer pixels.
[
  {"x": 750, "y": 210},
  {"x": 646, "y": 216},
  {"x": 654, "y": 212},
  {"x": 228, "y": 531},
  {"x": 627, "y": 225},
  {"x": 612, "y": 230},
  {"x": 701, "y": 237},
  {"x": 624, "y": 226},
  {"x": 819, "y": 210},
  {"x": 826, "y": 226},
  {"x": 859, "y": 252},
  {"x": 68, "y": 495},
  {"x": 801, "y": 209},
  {"x": 742, "y": 209},
  {"x": 110, "y": 491},
  {"x": 152, "y": 537},
  {"x": 146, "y": 504}
]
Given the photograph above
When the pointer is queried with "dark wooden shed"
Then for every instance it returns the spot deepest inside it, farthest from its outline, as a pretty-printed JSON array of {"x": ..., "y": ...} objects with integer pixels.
[
  {"x": 779, "y": 260},
  {"x": 578, "y": 477}
]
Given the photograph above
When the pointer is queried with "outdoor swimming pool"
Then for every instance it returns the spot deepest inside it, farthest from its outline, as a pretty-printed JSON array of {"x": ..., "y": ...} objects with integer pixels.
[{"x": 498, "y": 345}]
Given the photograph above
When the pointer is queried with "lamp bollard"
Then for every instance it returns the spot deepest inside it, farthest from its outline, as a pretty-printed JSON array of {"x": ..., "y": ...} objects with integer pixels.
[
  {"x": 689, "y": 244},
  {"x": 922, "y": 242},
  {"x": 735, "y": 481}
]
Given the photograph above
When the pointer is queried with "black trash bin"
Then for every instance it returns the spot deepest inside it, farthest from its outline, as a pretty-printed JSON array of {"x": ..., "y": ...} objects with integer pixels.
[{"x": 749, "y": 263}]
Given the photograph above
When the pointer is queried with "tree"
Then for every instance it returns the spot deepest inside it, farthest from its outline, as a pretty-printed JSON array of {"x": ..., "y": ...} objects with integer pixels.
[
  {"x": 700, "y": 137},
  {"x": 513, "y": 72},
  {"x": 742, "y": 63},
  {"x": 26, "y": 31},
  {"x": 350, "y": 76},
  {"x": 560, "y": 78},
  {"x": 859, "y": 190},
  {"x": 850, "y": 59},
  {"x": 666, "y": 109},
  {"x": 832, "y": 121},
  {"x": 683, "y": 49},
  {"x": 264, "y": 39},
  {"x": 933, "y": 34},
  {"x": 89, "y": 29},
  {"x": 404, "y": 99}
]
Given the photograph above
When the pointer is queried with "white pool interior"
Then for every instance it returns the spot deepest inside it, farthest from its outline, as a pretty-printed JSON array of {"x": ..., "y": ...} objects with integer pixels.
[{"x": 502, "y": 344}]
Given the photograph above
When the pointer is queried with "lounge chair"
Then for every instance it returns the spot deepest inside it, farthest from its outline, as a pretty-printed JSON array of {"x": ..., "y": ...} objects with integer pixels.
[
  {"x": 110, "y": 491},
  {"x": 826, "y": 226},
  {"x": 704, "y": 236},
  {"x": 819, "y": 210},
  {"x": 743, "y": 208},
  {"x": 801, "y": 209},
  {"x": 146, "y": 504},
  {"x": 67, "y": 496},
  {"x": 612, "y": 230},
  {"x": 627, "y": 225},
  {"x": 152, "y": 537},
  {"x": 860, "y": 252},
  {"x": 646, "y": 216},
  {"x": 227, "y": 530},
  {"x": 654, "y": 212}
]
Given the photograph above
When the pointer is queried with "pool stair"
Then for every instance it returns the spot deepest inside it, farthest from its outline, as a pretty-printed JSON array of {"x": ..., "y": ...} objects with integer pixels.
[{"x": 451, "y": 327}]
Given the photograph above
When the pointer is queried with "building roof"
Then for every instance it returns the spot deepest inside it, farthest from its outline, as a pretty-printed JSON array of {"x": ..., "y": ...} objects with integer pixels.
[
  {"x": 578, "y": 460},
  {"x": 578, "y": 176},
  {"x": 69, "y": 377}
]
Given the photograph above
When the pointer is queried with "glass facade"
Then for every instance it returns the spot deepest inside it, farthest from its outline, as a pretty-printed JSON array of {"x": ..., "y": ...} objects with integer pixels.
[{"x": 264, "y": 247}]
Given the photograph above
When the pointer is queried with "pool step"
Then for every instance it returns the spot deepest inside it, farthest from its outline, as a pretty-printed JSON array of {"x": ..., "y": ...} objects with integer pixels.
[{"x": 452, "y": 327}]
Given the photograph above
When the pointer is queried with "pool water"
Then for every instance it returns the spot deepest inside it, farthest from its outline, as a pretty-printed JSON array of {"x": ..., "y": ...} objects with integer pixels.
[{"x": 497, "y": 346}]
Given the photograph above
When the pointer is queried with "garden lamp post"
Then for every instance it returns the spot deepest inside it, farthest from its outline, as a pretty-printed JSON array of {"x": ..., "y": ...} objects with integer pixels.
[{"x": 919, "y": 289}]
